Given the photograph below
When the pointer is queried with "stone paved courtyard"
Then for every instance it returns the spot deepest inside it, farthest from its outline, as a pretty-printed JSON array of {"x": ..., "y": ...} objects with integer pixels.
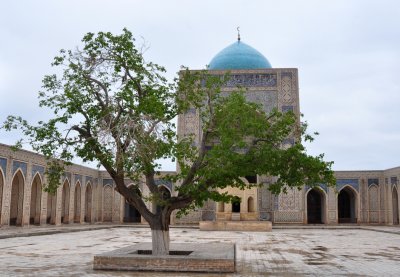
[{"x": 282, "y": 252}]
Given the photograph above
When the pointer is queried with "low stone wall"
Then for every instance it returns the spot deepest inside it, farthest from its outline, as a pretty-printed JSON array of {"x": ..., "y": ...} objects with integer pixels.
[
  {"x": 255, "y": 226},
  {"x": 210, "y": 257}
]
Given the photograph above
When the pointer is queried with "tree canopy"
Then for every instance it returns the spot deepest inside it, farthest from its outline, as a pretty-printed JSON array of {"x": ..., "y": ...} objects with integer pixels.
[{"x": 112, "y": 106}]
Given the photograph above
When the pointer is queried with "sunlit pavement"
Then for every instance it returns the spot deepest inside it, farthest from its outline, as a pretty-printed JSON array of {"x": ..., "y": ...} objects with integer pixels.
[{"x": 282, "y": 252}]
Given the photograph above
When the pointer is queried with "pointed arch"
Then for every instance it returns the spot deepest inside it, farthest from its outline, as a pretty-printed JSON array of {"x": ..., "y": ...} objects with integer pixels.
[
  {"x": 17, "y": 198},
  {"x": 373, "y": 204},
  {"x": 165, "y": 189},
  {"x": 347, "y": 205},
  {"x": 36, "y": 199},
  {"x": 88, "y": 203},
  {"x": 236, "y": 204},
  {"x": 1, "y": 191},
  {"x": 316, "y": 199},
  {"x": 108, "y": 203},
  {"x": 51, "y": 208},
  {"x": 77, "y": 203},
  {"x": 395, "y": 205},
  {"x": 65, "y": 202},
  {"x": 250, "y": 205},
  {"x": 131, "y": 214}
]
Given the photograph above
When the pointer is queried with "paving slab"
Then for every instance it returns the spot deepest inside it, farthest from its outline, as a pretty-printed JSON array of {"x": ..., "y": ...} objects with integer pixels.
[{"x": 282, "y": 252}]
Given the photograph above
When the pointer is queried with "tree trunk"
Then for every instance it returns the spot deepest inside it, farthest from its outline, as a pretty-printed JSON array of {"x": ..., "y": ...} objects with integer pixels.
[{"x": 160, "y": 242}]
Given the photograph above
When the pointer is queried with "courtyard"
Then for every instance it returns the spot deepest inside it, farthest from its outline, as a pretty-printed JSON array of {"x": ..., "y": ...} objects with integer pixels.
[{"x": 365, "y": 251}]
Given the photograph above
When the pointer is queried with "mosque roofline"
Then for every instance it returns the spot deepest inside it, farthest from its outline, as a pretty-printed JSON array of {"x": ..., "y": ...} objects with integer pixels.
[{"x": 239, "y": 71}]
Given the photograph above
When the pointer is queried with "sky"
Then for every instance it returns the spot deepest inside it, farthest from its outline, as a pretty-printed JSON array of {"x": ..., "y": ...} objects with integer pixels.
[{"x": 347, "y": 53}]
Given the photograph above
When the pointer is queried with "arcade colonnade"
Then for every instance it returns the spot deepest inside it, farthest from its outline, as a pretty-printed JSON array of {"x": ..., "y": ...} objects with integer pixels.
[
  {"x": 85, "y": 195},
  {"x": 359, "y": 197}
]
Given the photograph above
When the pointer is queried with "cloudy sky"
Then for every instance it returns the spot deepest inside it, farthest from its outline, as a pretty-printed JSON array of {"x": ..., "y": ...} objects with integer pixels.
[{"x": 347, "y": 53}]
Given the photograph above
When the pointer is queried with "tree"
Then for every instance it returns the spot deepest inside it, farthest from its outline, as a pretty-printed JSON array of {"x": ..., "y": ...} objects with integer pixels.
[{"x": 113, "y": 107}]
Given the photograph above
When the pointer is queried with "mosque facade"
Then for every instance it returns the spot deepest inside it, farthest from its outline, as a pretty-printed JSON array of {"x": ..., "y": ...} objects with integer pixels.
[{"x": 88, "y": 196}]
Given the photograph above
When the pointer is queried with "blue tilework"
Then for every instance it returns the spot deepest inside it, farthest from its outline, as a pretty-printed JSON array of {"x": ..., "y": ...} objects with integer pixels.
[
  {"x": 89, "y": 179},
  {"x": 37, "y": 168},
  {"x": 3, "y": 165},
  {"x": 166, "y": 183},
  {"x": 393, "y": 180},
  {"x": 322, "y": 186},
  {"x": 286, "y": 109},
  {"x": 78, "y": 177},
  {"x": 67, "y": 175},
  {"x": 286, "y": 74},
  {"x": 288, "y": 141},
  {"x": 340, "y": 183},
  {"x": 108, "y": 182},
  {"x": 23, "y": 166},
  {"x": 373, "y": 181}
]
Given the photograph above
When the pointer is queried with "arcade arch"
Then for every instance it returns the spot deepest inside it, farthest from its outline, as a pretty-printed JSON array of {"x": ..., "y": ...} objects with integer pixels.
[
  {"x": 316, "y": 206},
  {"x": 36, "y": 198},
  {"x": 51, "y": 208},
  {"x": 77, "y": 203},
  {"x": 131, "y": 213},
  {"x": 395, "y": 204},
  {"x": 65, "y": 203},
  {"x": 88, "y": 203},
  {"x": 108, "y": 203},
  {"x": 250, "y": 205},
  {"x": 236, "y": 204},
  {"x": 1, "y": 191},
  {"x": 347, "y": 205},
  {"x": 17, "y": 198}
]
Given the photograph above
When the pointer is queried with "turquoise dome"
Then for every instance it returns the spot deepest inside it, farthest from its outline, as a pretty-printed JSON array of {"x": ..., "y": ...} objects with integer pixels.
[{"x": 239, "y": 55}]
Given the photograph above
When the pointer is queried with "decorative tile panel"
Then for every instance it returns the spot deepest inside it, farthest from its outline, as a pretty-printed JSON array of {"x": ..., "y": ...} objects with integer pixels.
[
  {"x": 108, "y": 182},
  {"x": 290, "y": 200},
  {"x": 286, "y": 109},
  {"x": 166, "y": 183},
  {"x": 37, "y": 168},
  {"x": 78, "y": 177},
  {"x": 3, "y": 165},
  {"x": 322, "y": 186},
  {"x": 252, "y": 80},
  {"x": 393, "y": 180},
  {"x": 374, "y": 181},
  {"x": 268, "y": 99},
  {"x": 289, "y": 141},
  {"x": 67, "y": 175},
  {"x": 340, "y": 183},
  {"x": 23, "y": 166},
  {"x": 286, "y": 85}
]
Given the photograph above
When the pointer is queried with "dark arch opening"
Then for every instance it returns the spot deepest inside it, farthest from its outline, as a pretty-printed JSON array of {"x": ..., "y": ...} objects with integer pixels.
[
  {"x": 252, "y": 179},
  {"x": 36, "y": 196},
  {"x": 314, "y": 207},
  {"x": 347, "y": 206},
  {"x": 1, "y": 192},
  {"x": 395, "y": 203},
  {"x": 236, "y": 205},
  {"x": 17, "y": 199},
  {"x": 131, "y": 213}
]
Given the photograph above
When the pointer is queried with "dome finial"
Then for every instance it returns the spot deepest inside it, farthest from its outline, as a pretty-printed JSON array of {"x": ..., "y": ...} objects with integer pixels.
[{"x": 238, "y": 29}]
